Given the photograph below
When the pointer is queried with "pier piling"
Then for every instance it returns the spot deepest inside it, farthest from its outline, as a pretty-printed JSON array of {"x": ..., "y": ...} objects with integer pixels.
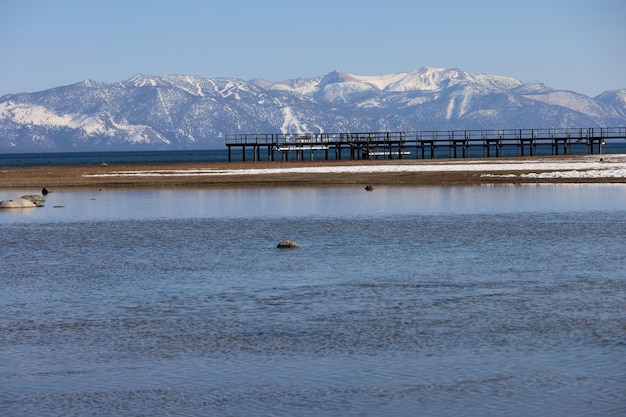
[{"x": 422, "y": 144}]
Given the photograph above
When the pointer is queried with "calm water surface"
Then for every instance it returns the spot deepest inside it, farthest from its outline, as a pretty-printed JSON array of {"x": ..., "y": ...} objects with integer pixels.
[{"x": 434, "y": 301}]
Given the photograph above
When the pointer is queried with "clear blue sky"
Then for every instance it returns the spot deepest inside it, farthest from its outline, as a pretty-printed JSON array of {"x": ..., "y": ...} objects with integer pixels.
[{"x": 576, "y": 45}]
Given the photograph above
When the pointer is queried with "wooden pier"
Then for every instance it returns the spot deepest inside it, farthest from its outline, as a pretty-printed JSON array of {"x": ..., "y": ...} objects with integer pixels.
[{"x": 421, "y": 144}]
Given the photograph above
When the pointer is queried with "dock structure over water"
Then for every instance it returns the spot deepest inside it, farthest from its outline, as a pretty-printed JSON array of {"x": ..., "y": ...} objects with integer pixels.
[{"x": 421, "y": 144}]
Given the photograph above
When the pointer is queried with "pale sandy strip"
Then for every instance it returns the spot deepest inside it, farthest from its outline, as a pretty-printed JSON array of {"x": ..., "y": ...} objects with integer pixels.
[{"x": 613, "y": 166}]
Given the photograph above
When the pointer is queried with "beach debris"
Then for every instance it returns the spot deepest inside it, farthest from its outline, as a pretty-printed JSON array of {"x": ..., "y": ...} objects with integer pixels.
[
  {"x": 35, "y": 199},
  {"x": 17, "y": 203},
  {"x": 369, "y": 187},
  {"x": 288, "y": 244}
]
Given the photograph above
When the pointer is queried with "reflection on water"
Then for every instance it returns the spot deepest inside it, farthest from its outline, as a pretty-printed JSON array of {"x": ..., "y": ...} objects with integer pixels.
[
  {"x": 404, "y": 301},
  {"x": 74, "y": 205}
]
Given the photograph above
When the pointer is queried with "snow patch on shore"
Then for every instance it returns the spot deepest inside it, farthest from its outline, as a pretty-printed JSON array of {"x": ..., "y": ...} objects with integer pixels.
[{"x": 613, "y": 166}]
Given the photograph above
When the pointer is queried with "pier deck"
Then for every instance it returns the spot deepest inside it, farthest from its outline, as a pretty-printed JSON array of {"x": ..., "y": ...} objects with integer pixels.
[{"x": 421, "y": 144}]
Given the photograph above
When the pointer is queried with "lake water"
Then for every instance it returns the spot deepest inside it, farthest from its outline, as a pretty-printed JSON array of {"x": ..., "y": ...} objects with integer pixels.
[
  {"x": 11, "y": 160},
  {"x": 404, "y": 301}
]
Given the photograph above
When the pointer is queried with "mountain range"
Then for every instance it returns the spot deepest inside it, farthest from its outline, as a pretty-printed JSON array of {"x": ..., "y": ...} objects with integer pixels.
[{"x": 190, "y": 112}]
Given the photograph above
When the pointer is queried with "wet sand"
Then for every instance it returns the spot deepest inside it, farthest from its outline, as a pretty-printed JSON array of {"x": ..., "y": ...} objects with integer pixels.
[{"x": 253, "y": 174}]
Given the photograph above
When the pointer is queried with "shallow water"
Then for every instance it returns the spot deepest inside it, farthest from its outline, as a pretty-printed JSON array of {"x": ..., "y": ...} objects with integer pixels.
[
  {"x": 403, "y": 301},
  {"x": 343, "y": 202}
]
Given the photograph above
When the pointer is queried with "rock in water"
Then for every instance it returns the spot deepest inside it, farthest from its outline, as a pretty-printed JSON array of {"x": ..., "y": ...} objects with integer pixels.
[
  {"x": 288, "y": 244},
  {"x": 35, "y": 199},
  {"x": 17, "y": 203}
]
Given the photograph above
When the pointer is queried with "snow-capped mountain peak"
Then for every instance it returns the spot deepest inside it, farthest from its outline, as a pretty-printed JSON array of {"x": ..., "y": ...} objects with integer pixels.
[
  {"x": 614, "y": 97},
  {"x": 140, "y": 80},
  {"x": 381, "y": 82},
  {"x": 186, "y": 111},
  {"x": 424, "y": 79},
  {"x": 533, "y": 87}
]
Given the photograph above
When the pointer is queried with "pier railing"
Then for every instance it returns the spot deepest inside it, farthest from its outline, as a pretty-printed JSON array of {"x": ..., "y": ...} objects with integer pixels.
[
  {"x": 438, "y": 135},
  {"x": 364, "y": 144}
]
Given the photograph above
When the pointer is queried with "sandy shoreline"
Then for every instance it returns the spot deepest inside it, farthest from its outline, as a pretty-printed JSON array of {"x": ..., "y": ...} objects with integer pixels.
[{"x": 560, "y": 169}]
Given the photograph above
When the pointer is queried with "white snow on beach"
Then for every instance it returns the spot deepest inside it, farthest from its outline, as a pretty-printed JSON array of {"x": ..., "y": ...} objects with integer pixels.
[{"x": 592, "y": 166}]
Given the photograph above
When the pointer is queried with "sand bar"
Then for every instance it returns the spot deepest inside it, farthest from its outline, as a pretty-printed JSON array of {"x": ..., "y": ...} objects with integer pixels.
[{"x": 608, "y": 168}]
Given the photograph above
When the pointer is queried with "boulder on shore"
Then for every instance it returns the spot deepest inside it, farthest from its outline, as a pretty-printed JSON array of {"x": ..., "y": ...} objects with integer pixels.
[
  {"x": 17, "y": 203},
  {"x": 288, "y": 244}
]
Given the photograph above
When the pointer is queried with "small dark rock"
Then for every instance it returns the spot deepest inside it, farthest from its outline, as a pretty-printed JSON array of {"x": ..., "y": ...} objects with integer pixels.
[{"x": 288, "y": 244}]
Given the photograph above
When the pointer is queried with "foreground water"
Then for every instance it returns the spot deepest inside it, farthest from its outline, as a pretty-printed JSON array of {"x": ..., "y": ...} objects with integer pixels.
[{"x": 473, "y": 301}]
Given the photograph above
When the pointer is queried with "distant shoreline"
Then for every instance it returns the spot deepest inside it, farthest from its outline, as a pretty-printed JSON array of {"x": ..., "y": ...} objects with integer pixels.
[{"x": 607, "y": 168}]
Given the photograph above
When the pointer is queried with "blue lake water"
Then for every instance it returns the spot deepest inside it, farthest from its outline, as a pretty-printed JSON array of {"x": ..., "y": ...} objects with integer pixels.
[
  {"x": 8, "y": 160},
  {"x": 404, "y": 301}
]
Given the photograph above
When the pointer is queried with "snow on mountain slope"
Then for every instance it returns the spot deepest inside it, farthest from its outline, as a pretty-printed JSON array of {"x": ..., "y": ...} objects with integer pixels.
[
  {"x": 341, "y": 88},
  {"x": 141, "y": 80},
  {"x": 34, "y": 114},
  {"x": 291, "y": 123},
  {"x": 534, "y": 87},
  {"x": 381, "y": 82},
  {"x": 37, "y": 117},
  {"x": 428, "y": 79},
  {"x": 304, "y": 86},
  {"x": 614, "y": 97},
  {"x": 186, "y": 111},
  {"x": 576, "y": 102},
  {"x": 437, "y": 79},
  {"x": 423, "y": 79}
]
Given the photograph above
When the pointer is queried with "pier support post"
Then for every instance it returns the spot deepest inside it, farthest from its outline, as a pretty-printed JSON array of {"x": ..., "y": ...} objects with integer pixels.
[{"x": 384, "y": 145}]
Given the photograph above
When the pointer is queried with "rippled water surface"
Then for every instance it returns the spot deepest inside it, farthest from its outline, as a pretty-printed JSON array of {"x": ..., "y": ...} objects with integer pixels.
[{"x": 474, "y": 301}]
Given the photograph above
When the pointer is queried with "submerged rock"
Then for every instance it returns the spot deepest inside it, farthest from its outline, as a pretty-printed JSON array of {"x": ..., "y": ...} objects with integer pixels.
[
  {"x": 35, "y": 199},
  {"x": 17, "y": 203},
  {"x": 288, "y": 244}
]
